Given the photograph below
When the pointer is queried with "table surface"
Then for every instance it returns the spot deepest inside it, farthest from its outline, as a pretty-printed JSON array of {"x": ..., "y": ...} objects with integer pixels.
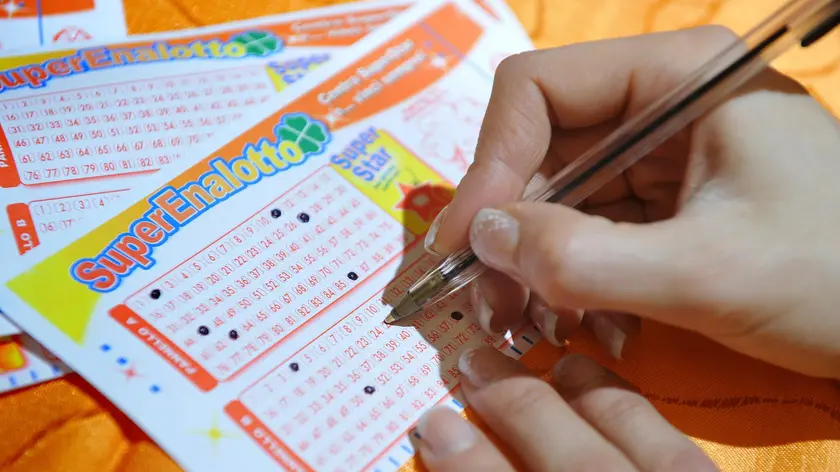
[{"x": 745, "y": 414}]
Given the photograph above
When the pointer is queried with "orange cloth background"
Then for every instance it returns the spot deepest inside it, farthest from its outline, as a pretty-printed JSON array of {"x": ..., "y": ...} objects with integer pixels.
[{"x": 745, "y": 414}]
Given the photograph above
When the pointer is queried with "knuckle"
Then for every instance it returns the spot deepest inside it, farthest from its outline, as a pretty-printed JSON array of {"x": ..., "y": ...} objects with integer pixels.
[
  {"x": 716, "y": 35},
  {"x": 710, "y": 40},
  {"x": 778, "y": 80},
  {"x": 702, "y": 42},
  {"x": 540, "y": 259},
  {"x": 514, "y": 125},
  {"x": 520, "y": 126},
  {"x": 519, "y": 397},
  {"x": 713, "y": 39},
  {"x": 552, "y": 267},
  {"x": 513, "y": 65},
  {"x": 621, "y": 410}
]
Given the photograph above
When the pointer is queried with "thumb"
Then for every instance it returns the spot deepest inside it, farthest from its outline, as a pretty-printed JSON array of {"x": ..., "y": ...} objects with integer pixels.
[{"x": 575, "y": 260}]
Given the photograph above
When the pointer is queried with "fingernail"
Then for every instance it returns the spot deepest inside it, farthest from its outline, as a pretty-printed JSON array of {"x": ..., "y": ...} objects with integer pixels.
[
  {"x": 576, "y": 370},
  {"x": 483, "y": 312},
  {"x": 429, "y": 242},
  {"x": 546, "y": 321},
  {"x": 612, "y": 336},
  {"x": 444, "y": 432},
  {"x": 486, "y": 365},
  {"x": 493, "y": 236},
  {"x": 536, "y": 183}
]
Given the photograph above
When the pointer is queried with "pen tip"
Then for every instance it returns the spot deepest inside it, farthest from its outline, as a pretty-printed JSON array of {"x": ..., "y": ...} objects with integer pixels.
[{"x": 402, "y": 310}]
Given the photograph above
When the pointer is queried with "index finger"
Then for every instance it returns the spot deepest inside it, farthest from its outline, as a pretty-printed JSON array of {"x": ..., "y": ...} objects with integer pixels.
[{"x": 567, "y": 88}]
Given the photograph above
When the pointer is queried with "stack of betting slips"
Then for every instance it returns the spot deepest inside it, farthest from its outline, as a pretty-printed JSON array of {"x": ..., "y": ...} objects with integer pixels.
[{"x": 210, "y": 226}]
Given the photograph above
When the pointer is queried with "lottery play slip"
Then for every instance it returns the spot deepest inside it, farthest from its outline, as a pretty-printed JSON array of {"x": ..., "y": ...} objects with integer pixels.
[
  {"x": 232, "y": 304},
  {"x": 32, "y": 23},
  {"x": 80, "y": 127},
  {"x": 76, "y": 135},
  {"x": 81, "y": 122}
]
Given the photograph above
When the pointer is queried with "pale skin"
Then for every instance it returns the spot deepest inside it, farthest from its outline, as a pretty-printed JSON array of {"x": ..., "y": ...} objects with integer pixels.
[{"x": 729, "y": 229}]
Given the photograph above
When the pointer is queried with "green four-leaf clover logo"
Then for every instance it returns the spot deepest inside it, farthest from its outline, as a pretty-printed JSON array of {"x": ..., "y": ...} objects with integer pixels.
[
  {"x": 309, "y": 134},
  {"x": 259, "y": 43}
]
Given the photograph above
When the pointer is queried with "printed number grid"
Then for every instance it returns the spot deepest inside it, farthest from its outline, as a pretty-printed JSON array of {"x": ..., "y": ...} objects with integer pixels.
[
  {"x": 348, "y": 396},
  {"x": 252, "y": 288},
  {"x": 125, "y": 128},
  {"x": 54, "y": 216}
]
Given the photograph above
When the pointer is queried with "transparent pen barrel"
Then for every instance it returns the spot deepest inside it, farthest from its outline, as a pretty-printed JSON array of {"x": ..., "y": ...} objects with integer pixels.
[
  {"x": 641, "y": 134},
  {"x": 697, "y": 94},
  {"x": 452, "y": 274}
]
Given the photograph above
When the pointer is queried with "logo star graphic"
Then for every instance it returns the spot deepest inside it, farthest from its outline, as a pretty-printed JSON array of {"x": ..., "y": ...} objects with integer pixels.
[
  {"x": 425, "y": 199},
  {"x": 439, "y": 61},
  {"x": 11, "y": 7},
  {"x": 130, "y": 372},
  {"x": 214, "y": 433},
  {"x": 332, "y": 117}
]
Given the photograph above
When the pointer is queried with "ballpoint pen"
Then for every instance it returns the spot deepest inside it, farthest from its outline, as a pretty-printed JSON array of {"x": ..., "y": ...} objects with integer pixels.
[{"x": 801, "y": 22}]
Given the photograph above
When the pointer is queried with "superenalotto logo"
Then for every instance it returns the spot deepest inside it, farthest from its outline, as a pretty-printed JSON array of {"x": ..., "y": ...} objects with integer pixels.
[
  {"x": 297, "y": 137},
  {"x": 245, "y": 44}
]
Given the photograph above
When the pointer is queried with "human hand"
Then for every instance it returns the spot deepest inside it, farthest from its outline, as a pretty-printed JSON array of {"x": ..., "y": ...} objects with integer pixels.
[
  {"x": 729, "y": 229},
  {"x": 593, "y": 421}
]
